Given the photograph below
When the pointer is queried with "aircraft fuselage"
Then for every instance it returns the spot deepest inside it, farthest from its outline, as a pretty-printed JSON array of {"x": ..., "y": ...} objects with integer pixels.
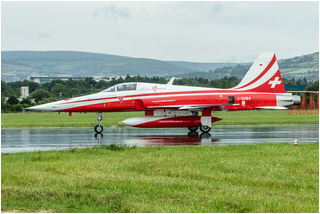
[{"x": 164, "y": 98}]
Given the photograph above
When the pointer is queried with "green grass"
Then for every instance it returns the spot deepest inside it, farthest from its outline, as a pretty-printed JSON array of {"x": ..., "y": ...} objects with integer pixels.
[
  {"x": 53, "y": 119},
  {"x": 265, "y": 117},
  {"x": 297, "y": 70},
  {"x": 32, "y": 119},
  {"x": 235, "y": 178}
]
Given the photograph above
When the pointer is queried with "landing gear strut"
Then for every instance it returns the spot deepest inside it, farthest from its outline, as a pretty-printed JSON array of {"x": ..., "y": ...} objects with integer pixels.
[{"x": 99, "y": 128}]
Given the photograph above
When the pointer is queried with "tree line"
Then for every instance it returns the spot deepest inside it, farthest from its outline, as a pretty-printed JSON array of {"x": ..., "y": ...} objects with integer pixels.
[
  {"x": 58, "y": 89},
  {"x": 238, "y": 71}
]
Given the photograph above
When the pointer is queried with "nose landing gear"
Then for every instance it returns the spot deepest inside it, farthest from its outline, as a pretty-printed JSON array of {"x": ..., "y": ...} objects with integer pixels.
[{"x": 99, "y": 128}]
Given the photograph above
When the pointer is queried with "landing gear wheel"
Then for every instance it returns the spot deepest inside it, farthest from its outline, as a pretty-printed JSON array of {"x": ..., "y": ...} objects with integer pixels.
[
  {"x": 205, "y": 128},
  {"x": 98, "y": 129},
  {"x": 193, "y": 128}
]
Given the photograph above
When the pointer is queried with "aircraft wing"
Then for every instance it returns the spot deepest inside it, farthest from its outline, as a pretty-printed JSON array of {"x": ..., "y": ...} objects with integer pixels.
[{"x": 218, "y": 107}]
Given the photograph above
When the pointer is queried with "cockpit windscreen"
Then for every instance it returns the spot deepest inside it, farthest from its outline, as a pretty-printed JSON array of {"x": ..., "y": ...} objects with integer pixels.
[{"x": 122, "y": 87}]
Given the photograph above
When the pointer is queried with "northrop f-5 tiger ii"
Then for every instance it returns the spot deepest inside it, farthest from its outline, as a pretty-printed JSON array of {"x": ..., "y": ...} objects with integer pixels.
[{"x": 168, "y": 105}]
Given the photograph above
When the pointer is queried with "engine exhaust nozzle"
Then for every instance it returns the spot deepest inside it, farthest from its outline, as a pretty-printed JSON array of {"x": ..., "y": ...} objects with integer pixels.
[{"x": 296, "y": 100}]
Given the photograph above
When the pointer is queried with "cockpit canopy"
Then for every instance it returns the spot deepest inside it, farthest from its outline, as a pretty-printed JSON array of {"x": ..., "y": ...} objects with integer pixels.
[{"x": 122, "y": 87}]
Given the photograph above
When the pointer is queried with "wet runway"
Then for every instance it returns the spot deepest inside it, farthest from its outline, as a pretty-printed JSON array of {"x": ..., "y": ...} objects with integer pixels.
[{"x": 34, "y": 139}]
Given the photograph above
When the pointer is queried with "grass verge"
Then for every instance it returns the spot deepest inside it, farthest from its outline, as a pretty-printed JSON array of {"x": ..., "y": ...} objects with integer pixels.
[
  {"x": 235, "y": 178},
  {"x": 51, "y": 119}
]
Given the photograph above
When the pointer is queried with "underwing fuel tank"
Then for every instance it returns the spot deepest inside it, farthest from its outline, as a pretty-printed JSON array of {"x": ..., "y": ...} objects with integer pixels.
[{"x": 166, "y": 122}]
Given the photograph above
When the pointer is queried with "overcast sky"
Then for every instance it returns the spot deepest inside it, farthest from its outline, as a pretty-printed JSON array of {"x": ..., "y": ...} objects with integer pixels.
[{"x": 182, "y": 31}]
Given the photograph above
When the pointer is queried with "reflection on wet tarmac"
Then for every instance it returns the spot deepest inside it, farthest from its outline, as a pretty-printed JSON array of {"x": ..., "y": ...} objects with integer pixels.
[
  {"x": 34, "y": 139},
  {"x": 193, "y": 138}
]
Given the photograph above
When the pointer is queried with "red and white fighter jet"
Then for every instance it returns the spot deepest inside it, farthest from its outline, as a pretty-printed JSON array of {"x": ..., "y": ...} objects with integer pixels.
[{"x": 168, "y": 105}]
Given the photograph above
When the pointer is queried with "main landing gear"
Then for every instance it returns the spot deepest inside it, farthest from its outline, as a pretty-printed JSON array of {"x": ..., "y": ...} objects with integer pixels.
[
  {"x": 99, "y": 128},
  {"x": 193, "y": 128},
  {"x": 206, "y": 127},
  {"x": 203, "y": 128}
]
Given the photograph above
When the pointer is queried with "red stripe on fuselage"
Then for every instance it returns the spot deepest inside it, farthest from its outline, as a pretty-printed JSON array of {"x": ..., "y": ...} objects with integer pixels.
[
  {"x": 189, "y": 93},
  {"x": 242, "y": 100}
]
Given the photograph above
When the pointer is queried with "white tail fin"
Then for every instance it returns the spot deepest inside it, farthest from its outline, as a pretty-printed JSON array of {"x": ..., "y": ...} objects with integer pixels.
[{"x": 263, "y": 76}]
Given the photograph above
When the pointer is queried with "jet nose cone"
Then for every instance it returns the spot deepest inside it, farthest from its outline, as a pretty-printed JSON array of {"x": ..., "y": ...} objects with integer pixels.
[
  {"x": 34, "y": 108},
  {"x": 44, "y": 107}
]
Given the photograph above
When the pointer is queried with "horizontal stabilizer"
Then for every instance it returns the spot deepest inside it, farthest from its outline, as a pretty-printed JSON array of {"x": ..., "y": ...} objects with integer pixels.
[{"x": 272, "y": 108}]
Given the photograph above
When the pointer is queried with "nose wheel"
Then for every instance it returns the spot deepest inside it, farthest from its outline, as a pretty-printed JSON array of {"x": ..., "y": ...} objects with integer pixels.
[{"x": 99, "y": 128}]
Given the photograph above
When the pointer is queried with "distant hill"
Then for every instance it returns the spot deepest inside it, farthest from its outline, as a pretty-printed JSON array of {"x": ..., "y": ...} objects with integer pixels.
[
  {"x": 17, "y": 65},
  {"x": 206, "y": 67},
  {"x": 305, "y": 66}
]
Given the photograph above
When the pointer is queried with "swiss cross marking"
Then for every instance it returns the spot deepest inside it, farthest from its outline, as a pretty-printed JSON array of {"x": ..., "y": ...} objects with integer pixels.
[{"x": 275, "y": 82}]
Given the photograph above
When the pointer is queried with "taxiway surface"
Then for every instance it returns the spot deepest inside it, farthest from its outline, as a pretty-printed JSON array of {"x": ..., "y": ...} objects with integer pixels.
[{"x": 34, "y": 139}]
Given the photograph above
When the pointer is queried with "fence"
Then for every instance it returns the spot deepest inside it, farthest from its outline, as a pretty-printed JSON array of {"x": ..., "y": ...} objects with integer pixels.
[{"x": 309, "y": 103}]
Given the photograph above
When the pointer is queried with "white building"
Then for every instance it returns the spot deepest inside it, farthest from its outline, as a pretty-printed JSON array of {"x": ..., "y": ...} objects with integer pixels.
[
  {"x": 107, "y": 79},
  {"x": 24, "y": 92}
]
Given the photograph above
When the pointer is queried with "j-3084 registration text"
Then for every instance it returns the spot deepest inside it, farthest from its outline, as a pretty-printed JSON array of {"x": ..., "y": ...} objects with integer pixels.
[{"x": 244, "y": 98}]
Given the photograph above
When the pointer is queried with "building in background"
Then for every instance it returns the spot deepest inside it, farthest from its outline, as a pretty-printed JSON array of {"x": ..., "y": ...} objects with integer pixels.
[
  {"x": 65, "y": 77},
  {"x": 24, "y": 92},
  {"x": 107, "y": 79},
  {"x": 45, "y": 79},
  {"x": 287, "y": 88}
]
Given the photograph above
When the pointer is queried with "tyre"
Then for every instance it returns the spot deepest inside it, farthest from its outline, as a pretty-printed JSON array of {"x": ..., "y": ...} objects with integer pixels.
[
  {"x": 98, "y": 129},
  {"x": 205, "y": 128},
  {"x": 193, "y": 128}
]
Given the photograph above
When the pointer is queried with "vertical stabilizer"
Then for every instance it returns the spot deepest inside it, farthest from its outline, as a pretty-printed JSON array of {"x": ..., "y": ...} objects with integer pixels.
[{"x": 263, "y": 76}]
